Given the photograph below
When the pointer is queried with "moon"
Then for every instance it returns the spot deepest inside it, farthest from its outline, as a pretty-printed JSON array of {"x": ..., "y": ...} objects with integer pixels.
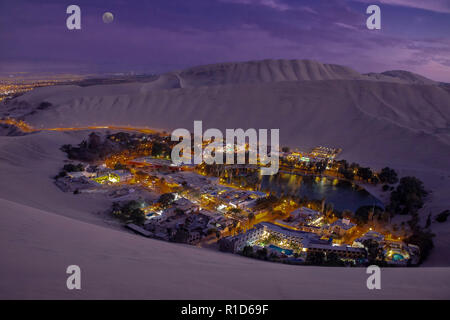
[{"x": 108, "y": 17}]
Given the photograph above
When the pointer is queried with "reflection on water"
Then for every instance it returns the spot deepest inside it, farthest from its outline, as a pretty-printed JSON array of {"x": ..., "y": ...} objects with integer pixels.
[{"x": 342, "y": 194}]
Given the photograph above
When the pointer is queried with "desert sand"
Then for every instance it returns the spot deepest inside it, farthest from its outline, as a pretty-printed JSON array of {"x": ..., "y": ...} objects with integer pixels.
[{"x": 393, "y": 119}]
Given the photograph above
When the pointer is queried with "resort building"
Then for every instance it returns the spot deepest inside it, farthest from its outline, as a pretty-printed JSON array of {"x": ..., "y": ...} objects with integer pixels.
[
  {"x": 262, "y": 230},
  {"x": 114, "y": 176},
  {"x": 344, "y": 252},
  {"x": 306, "y": 216},
  {"x": 341, "y": 227},
  {"x": 370, "y": 235},
  {"x": 325, "y": 153}
]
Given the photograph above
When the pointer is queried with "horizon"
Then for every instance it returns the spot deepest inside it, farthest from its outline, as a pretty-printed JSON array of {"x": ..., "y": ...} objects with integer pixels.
[
  {"x": 61, "y": 76},
  {"x": 158, "y": 37}
]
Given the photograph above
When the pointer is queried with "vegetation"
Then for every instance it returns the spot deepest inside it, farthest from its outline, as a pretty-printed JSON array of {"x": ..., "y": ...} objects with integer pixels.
[
  {"x": 365, "y": 213},
  {"x": 166, "y": 199},
  {"x": 69, "y": 168},
  {"x": 160, "y": 149},
  {"x": 333, "y": 260},
  {"x": 91, "y": 149},
  {"x": 181, "y": 236},
  {"x": 44, "y": 105},
  {"x": 408, "y": 197},
  {"x": 267, "y": 202},
  {"x": 120, "y": 166},
  {"x": 247, "y": 251},
  {"x": 424, "y": 240},
  {"x": 129, "y": 212},
  {"x": 96, "y": 147},
  {"x": 364, "y": 173},
  {"x": 262, "y": 254},
  {"x": 315, "y": 258},
  {"x": 375, "y": 254},
  {"x": 388, "y": 175},
  {"x": 442, "y": 217},
  {"x": 73, "y": 168}
]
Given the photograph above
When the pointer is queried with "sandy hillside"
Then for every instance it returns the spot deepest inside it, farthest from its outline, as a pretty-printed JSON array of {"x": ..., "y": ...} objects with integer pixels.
[
  {"x": 40, "y": 245},
  {"x": 396, "y": 119}
]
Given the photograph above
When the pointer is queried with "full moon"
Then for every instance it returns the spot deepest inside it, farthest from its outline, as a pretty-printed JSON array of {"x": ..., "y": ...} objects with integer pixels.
[{"x": 108, "y": 17}]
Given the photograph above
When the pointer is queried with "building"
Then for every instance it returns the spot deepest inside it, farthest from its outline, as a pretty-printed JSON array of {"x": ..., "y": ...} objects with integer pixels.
[
  {"x": 341, "y": 227},
  {"x": 305, "y": 216},
  {"x": 114, "y": 176},
  {"x": 123, "y": 175},
  {"x": 264, "y": 229},
  {"x": 186, "y": 205},
  {"x": 370, "y": 235},
  {"x": 309, "y": 242},
  {"x": 396, "y": 252},
  {"x": 343, "y": 252},
  {"x": 325, "y": 153}
]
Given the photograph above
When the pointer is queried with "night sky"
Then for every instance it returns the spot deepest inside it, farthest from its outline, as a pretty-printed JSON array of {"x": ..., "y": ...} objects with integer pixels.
[{"x": 163, "y": 35}]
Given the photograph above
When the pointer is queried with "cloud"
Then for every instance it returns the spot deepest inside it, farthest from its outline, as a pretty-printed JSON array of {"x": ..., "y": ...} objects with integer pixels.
[
  {"x": 274, "y": 4},
  {"x": 441, "y": 6},
  {"x": 345, "y": 26},
  {"x": 168, "y": 38}
]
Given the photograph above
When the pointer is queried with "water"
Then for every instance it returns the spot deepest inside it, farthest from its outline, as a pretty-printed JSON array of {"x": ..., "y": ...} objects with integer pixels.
[
  {"x": 342, "y": 194},
  {"x": 287, "y": 252},
  {"x": 397, "y": 257}
]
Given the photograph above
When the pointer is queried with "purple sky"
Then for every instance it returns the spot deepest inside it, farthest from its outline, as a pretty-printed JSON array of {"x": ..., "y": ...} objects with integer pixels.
[{"x": 163, "y": 35}]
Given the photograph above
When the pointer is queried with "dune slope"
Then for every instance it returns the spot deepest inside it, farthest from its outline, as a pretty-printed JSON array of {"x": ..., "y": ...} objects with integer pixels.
[
  {"x": 118, "y": 265},
  {"x": 393, "y": 119}
]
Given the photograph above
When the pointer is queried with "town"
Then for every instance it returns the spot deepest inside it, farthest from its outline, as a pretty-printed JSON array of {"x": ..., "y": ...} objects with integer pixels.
[{"x": 224, "y": 207}]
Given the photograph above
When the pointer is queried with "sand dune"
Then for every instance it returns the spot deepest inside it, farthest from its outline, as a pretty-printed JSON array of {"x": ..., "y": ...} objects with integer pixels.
[
  {"x": 118, "y": 265},
  {"x": 397, "y": 119},
  {"x": 373, "y": 122}
]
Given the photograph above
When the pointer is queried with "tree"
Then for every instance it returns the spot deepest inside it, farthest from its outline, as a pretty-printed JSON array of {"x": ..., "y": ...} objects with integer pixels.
[
  {"x": 166, "y": 199},
  {"x": 130, "y": 211},
  {"x": 347, "y": 173},
  {"x": 247, "y": 251},
  {"x": 408, "y": 196},
  {"x": 365, "y": 173},
  {"x": 266, "y": 203},
  {"x": 422, "y": 239},
  {"x": 235, "y": 210},
  {"x": 315, "y": 258},
  {"x": 333, "y": 260},
  {"x": 328, "y": 208},
  {"x": 94, "y": 141},
  {"x": 375, "y": 254},
  {"x": 73, "y": 168},
  {"x": 261, "y": 253},
  {"x": 442, "y": 217},
  {"x": 137, "y": 216},
  {"x": 428, "y": 223},
  {"x": 44, "y": 105},
  {"x": 120, "y": 166},
  {"x": 388, "y": 175},
  {"x": 347, "y": 214},
  {"x": 181, "y": 235},
  {"x": 160, "y": 148},
  {"x": 363, "y": 213},
  {"x": 320, "y": 167}
]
